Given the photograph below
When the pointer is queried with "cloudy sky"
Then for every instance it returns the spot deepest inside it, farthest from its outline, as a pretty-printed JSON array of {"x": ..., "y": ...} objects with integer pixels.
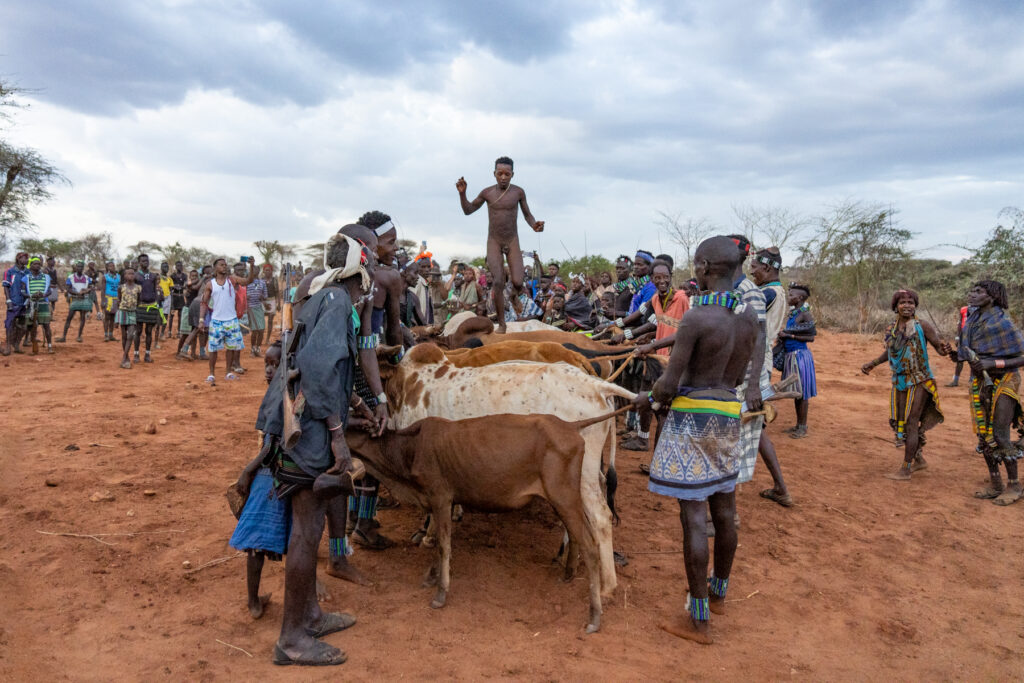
[{"x": 218, "y": 123}]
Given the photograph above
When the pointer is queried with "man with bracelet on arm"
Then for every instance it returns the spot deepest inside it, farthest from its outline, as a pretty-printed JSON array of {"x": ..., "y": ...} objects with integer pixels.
[{"x": 328, "y": 330}]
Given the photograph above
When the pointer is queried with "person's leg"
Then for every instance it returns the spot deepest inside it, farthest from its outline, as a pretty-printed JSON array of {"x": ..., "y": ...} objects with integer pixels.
[
  {"x": 253, "y": 571},
  {"x": 910, "y": 404},
  {"x": 337, "y": 541},
  {"x": 694, "y": 626},
  {"x": 1006, "y": 450},
  {"x": 67, "y": 324},
  {"x": 367, "y": 495},
  {"x": 212, "y": 356},
  {"x": 81, "y": 323},
  {"x": 779, "y": 493},
  {"x": 47, "y": 334},
  {"x": 723, "y": 510},
  {"x": 802, "y": 405},
  {"x": 149, "y": 339},
  {"x": 495, "y": 265},
  {"x": 956, "y": 375},
  {"x": 301, "y": 610}
]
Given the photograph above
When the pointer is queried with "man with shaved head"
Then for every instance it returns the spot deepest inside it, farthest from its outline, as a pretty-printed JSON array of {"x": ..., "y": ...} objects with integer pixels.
[{"x": 697, "y": 459}]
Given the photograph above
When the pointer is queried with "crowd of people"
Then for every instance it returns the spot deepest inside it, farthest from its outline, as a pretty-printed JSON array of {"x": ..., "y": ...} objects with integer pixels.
[{"x": 722, "y": 333}]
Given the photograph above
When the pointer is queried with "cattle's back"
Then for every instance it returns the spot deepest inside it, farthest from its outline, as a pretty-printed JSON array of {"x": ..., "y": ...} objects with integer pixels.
[{"x": 520, "y": 387}]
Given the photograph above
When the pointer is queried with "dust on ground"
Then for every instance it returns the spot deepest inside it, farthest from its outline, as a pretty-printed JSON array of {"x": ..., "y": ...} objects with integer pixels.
[{"x": 864, "y": 578}]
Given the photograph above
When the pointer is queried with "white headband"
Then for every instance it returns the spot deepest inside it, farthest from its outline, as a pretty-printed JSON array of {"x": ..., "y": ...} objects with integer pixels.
[
  {"x": 383, "y": 228},
  {"x": 353, "y": 266}
]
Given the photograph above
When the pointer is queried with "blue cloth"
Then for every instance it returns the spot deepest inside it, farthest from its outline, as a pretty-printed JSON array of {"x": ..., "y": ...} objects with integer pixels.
[
  {"x": 643, "y": 294},
  {"x": 799, "y": 359},
  {"x": 266, "y": 522},
  {"x": 112, "y": 283},
  {"x": 12, "y": 283},
  {"x": 699, "y": 451},
  {"x": 990, "y": 334}
]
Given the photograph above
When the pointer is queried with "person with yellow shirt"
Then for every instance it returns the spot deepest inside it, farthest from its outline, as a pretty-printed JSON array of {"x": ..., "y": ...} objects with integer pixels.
[{"x": 165, "y": 283}]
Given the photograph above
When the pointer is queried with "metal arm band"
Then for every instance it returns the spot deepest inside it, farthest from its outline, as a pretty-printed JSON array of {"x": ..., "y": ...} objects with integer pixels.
[
  {"x": 629, "y": 334},
  {"x": 370, "y": 342},
  {"x": 619, "y": 323}
]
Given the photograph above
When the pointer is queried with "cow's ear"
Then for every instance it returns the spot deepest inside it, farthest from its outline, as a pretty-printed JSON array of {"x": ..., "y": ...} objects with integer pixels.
[{"x": 385, "y": 352}]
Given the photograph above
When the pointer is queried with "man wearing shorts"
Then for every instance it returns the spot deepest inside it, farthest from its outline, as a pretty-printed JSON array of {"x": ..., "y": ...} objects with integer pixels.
[{"x": 219, "y": 316}]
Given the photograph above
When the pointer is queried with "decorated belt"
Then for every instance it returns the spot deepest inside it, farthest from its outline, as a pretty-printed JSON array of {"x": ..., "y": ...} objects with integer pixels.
[{"x": 706, "y": 405}]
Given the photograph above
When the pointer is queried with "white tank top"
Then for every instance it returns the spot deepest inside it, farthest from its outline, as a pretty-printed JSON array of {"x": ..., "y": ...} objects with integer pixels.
[{"x": 222, "y": 301}]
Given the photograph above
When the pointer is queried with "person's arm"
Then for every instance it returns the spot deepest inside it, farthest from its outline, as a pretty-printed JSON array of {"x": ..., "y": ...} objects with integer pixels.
[
  {"x": 986, "y": 364},
  {"x": 368, "y": 363},
  {"x": 204, "y": 303},
  {"x": 633, "y": 333},
  {"x": 392, "y": 310},
  {"x": 753, "y": 393},
  {"x": 538, "y": 226},
  {"x": 874, "y": 363},
  {"x": 468, "y": 207},
  {"x": 665, "y": 388},
  {"x": 800, "y": 335},
  {"x": 646, "y": 349},
  {"x": 931, "y": 335}
]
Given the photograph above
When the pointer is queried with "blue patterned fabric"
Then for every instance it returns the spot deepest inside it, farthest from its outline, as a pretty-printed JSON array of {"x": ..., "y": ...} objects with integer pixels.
[
  {"x": 990, "y": 334},
  {"x": 266, "y": 522},
  {"x": 698, "y": 454}
]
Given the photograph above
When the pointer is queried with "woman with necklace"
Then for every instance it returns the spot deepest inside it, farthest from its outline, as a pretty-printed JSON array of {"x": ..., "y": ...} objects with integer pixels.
[{"x": 914, "y": 399}]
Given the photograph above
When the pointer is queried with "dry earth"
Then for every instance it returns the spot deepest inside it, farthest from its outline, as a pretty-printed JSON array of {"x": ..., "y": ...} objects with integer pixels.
[{"x": 864, "y": 579}]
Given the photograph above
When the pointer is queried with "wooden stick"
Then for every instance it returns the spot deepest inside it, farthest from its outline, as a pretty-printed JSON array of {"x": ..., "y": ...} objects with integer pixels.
[
  {"x": 214, "y": 562},
  {"x": 101, "y": 445},
  {"x": 746, "y": 598},
  {"x": 97, "y": 537},
  {"x": 57, "y": 533},
  {"x": 233, "y": 646}
]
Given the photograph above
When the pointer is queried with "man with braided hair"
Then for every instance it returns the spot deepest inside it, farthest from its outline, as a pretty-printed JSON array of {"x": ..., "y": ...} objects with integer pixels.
[
  {"x": 697, "y": 459},
  {"x": 503, "y": 203},
  {"x": 994, "y": 349}
]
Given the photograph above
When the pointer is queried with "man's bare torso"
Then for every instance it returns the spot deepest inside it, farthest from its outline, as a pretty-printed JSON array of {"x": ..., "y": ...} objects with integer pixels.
[
  {"x": 502, "y": 212},
  {"x": 723, "y": 343}
]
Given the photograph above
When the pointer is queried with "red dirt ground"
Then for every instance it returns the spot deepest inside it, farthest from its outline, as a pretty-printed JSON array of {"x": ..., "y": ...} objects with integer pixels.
[{"x": 864, "y": 579}]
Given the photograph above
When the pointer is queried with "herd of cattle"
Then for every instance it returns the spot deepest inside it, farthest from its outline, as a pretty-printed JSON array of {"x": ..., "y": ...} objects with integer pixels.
[{"x": 527, "y": 414}]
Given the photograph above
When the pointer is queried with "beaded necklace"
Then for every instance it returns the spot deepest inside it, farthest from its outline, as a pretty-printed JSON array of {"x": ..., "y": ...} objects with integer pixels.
[{"x": 724, "y": 299}]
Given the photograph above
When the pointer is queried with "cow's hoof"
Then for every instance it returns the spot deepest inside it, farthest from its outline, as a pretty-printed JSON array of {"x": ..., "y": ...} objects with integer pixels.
[{"x": 439, "y": 599}]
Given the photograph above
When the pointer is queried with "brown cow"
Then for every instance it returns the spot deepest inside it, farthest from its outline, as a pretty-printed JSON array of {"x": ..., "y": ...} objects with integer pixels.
[
  {"x": 427, "y": 384},
  {"x": 491, "y": 464},
  {"x": 543, "y": 352}
]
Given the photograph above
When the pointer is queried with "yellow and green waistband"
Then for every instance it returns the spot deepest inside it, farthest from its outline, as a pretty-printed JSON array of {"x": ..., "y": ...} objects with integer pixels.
[{"x": 685, "y": 404}]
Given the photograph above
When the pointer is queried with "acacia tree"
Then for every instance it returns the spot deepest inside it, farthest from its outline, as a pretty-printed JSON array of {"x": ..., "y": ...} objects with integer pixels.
[
  {"x": 687, "y": 233},
  {"x": 1001, "y": 255},
  {"x": 861, "y": 246},
  {"x": 770, "y": 226},
  {"x": 25, "y": 175}
]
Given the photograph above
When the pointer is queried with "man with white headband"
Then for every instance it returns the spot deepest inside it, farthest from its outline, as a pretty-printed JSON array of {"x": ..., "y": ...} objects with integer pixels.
[
  {"x": 386, "y": 326},
  {"x": 329, "y": 341}
]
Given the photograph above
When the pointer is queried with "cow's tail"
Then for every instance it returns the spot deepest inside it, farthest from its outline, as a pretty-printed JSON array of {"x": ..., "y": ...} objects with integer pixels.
[
  {"x": 583, "y": 424},
  {"x": 611, "y": 478}
]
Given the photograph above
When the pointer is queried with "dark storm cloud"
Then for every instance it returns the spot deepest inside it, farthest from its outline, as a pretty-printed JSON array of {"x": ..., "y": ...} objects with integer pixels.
[{"x": 105, "y": 56}]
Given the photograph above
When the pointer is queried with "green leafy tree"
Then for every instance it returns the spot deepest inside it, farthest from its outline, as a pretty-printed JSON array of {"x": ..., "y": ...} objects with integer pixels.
[
  {"x": 857, "y": 247},
  {"x": 25, "y": 176},
  {"x": 1001, "y": 255}
]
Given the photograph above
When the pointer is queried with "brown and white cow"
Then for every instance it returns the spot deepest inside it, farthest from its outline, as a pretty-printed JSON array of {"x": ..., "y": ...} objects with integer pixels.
[
  {"x": 426, "y": 384},
  {"x": 542, "y": 352},
  {"x": 491, "y": 464}
]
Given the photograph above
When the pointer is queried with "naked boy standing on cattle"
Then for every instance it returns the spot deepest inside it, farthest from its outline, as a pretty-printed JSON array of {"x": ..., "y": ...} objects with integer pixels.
[
  {"x": 503, "y": 202},
  {"x": 697, "y": 458}
]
